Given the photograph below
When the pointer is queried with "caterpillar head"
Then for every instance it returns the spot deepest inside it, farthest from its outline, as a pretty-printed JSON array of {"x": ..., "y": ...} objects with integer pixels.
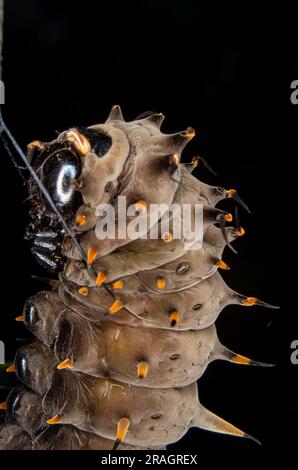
[
  {"x": 99, "y": 161},
  {"x": 84, "y": 168}
]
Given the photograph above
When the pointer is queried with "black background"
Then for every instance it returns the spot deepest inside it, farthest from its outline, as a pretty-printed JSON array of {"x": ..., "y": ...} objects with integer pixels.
[{"x": 224, "y": 69}]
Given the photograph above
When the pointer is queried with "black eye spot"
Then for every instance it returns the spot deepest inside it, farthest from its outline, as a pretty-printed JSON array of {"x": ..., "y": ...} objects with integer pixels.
[
  {"x": 173, "y": 357},
  {"x": 99, "y": 141},
  {"x": 156, "y": 416},
  {"x": 182, "y": 269},
  {"x": 197, "y": 306}
]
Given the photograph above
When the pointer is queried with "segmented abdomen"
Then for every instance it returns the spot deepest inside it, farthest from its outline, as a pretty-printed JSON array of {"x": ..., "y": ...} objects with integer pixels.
[{"x": 129, "y": 327}]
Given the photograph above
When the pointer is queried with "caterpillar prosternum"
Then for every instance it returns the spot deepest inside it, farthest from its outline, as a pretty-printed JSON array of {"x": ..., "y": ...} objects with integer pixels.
[{"x": 128, "y": 328}]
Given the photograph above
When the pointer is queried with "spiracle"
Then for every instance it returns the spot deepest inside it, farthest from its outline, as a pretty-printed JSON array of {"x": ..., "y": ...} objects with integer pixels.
[{"x": 128, "y": 328}]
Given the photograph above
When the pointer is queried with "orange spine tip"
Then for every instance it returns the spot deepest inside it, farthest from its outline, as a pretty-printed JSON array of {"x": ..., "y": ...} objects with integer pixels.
[
  {"x": 190, "y": 133},
  {"x": 161, "y": 283},
  {"x": 250, "y": 301},
  {"x": 222, "y": 265},
  {"x": 117, "y": 305},
  {"x": 142, "y": 369},
  {"x": 83, "y": 291},
  {"x": 228, "y": 217},
  {"x": 122, "y": 428},
  {"x": 81, "y": 144},
  {"x": 230, "y": 193},
  {"x": 240, "y": 232},
  {"x": 195, "y": 161},
  {"x": 55, "y": 420},
  {"x": 11, "y": 368},
  {"x": 3, "y": 406},
  {"x": 167, "y": 237},
  {"x": 174, "y": 159},
  {"x": 238, "y": 359},
  {"x": 81, "y": 219},
  {"x": 141, "y": 206},
  {"x": 101, "y": 278},
  {"x": 67, "y": 364},
  {"x": 36, "y": 143},
  {"x": 91, "y": 255},
  {"x": 118, "y": 284},
  {"x": 174, "y": 318},
  {"x": 20, "y": 318}
]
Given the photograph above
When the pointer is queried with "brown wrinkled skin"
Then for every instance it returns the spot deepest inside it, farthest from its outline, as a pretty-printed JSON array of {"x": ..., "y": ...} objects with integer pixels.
[{"x": 168, "y": 325}]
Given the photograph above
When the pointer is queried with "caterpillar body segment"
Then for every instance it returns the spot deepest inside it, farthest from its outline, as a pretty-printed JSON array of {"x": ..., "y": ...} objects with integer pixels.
[
  {"x": 184, "y": 195},
  {"x": 128, "y": 329},
  {"x": 112, "y": 350},
  {"x": 198, "y": 306},
  {"x": 12, "y": 437},
  {"x": 25, "y": 428},
  {"x": 167, "y": 413}
]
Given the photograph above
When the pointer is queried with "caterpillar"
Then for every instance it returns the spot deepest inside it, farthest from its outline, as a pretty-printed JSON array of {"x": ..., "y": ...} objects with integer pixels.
[{"x": 129, "y": 326}]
